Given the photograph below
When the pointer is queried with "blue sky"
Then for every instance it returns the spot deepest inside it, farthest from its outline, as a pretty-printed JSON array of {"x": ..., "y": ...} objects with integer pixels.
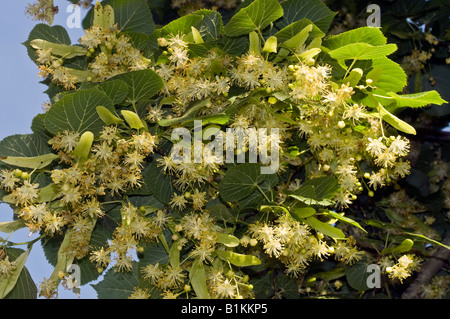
[{"x": 22, "y": 99}]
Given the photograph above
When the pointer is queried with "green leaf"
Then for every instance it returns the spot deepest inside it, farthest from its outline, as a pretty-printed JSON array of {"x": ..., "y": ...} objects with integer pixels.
[
  {"x": 362, "y": 51},
  {"x": 116, "y": 90},
  {"x": 24, "y": 145},
  {"x": 181, "y": 25},
  {"x": 325, "y": 187},
  {"x": 153, "y": 254},
  {"x": 325, "y": 228},
  {"x": 87, "y": 269},
  {"x": 38, "y": 127},
  {"x": 142, "y": 85},
  {"x": 274, "y": 208},
  {"x": 317, "y": 191},
  {"x": 220, "y": 212},
  {"x": 270, "y": 46},
  {"x": 64, "y": 260},
  {"x": 197, "y": 36},
  {"x": 234, "y": 45},
  {"x": 369, "y": 35},
  {"x": 227, "y": 239},
  {"x": 188, "y": 116},
  {"x": 309, "y": 54},
  {"x": 9, "y": 227},
  {"x": 151, "y": 203},
  {"x": 254, "y": 43},
  {"x": 160, "y": 183},
  {"x": 25, "y": 288},
  {"x": 130, "y": 15},
  {"x": 211, "y": 26},
  {"x": 174, "y": 254},
  {"x": 55, "y": 34},
  {"x": 395, "y": 121},
  {"x": 345, "y": 219},
  {"x": 428, "y": 240},
  {"x": 403, "y": 247},
  {"x": 48, "y": 193},
  {"x": 107, "y": 116},
  {"x": 208, "y": 23},
  {"x": 333, "y": 274},
  {"x": 258, "y": 15},
  {"x": 357, "y": 275},
  {"x": 239, "y": 260},
  {"x": 197, "y": 277},
  {"x": 140, "y": 41},
  {"x": 262, "y": 194},
  {"x": 298, "y": 213},
  {"x": 314, "y": 10},
  {"x": 294, "y": 28},
  {"x": 220, "y": 118},
  {"x": 240, "y": 181},
  {"x": 8, "y": 283},
  {"x": 76, "y": 112},
  {"x": 63, "y": 50},
  {"x": 103, "y": 16},
  {"x": 354, "y": 77},
  {"x": 83, "y": 148},
  {"x": 299, "y": 39},
  {"x": 117, "y": 285},
  {"x": 133, "y": 120},
  {"x": 35, "y": 162},
  {"x": 417, "y": 100},
  {"x": 392, "y": 77}
]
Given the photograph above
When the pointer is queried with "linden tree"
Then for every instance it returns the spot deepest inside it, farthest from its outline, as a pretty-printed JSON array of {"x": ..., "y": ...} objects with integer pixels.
[{"x": 211, "y": 156}]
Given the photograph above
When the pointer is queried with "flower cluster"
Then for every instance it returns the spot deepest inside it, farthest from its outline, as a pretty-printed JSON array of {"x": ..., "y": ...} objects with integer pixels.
[
  {"x": 111, "y": 53},
  {"x": 436, "y": 289},
  {"x": 200, "y": 223},
  {"x": 199, "y": 232},
  {"x": 135, "y": 227},
  {"x": 296, "y": 245},
  {"x": 192, "y": 79},
  {"x": 327, "y": 116},
  {"x": 402, "y": 268},
  {"x": 108, "y": 52},
  {"x": 42, "y": 10},
  {"x": 75, "y": 199},
  {"x": 6, "y": 266}
]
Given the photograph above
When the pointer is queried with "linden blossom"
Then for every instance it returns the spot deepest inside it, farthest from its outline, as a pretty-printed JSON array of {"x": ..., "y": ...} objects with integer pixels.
[{"x": 235, "y": 139}]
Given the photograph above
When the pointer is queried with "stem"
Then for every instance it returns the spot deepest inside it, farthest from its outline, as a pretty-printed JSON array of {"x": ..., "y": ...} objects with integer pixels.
[
  {"x": 349, "y": 68},
  {"x": 265, "y": 196},
  {"x": 381, "y": 126},
  {"x": 133, "y": 103},
  {"x": 31, "y": 242},
  {"x": 260, "y": 35}
]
